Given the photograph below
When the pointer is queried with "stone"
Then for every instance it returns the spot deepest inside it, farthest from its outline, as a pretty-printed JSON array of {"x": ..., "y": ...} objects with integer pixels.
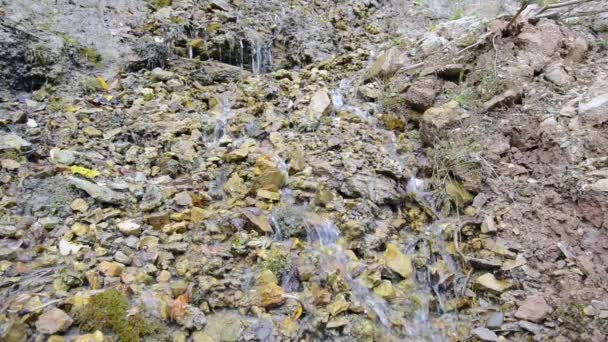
[
  {"x": 63, "y": 157},
  {"x": 110, "y": 268},
  {"x": 398, "y": 262},
  {"x": 506, "y": 99},
  {"x": 9, "y": 164},
  {"x": 269, "y": 176},
  {"x": 215, "y": 330},
  {"x": 267, "y": 292},
  {"x": 320, "y": 104},
  {"x": 235, "y": 186},
  {"x": 269, "y": 195},
  {"x": 66, "y": 247},
  {"x": 385, "y": 290},
  {"x": 556, "y": 74},
  {"x": 129, "y": 227},
  {"x": 600, "y": 185},
  {"x": 122, "y": 258},
  {"x": 488, "y": 282},
  {"x": 183, "y": 199},
  {"x": 159, "y": 74},
  {"x": 437, "y": 120},
  {"x": 49, "y": 223},
  {"x": 256, "y": 217},
  {"x": 79, "y": 205},
  {"x": 531, "y": 327},
  {"x": 495, "y": 320},
  {"x": 386, "y": 64},
  {"x": 458, "y": 194},
  {"x": 534, "y": 309},
  {"x": 338, "y": 306},
  {"x": 488, "y": 226},
  {"x": 10, "y": 141},
  {"x": 53, "y": 321},
  {"x": 485, "y": 334},
  {"x": 92, "y": 132},
  {"x": 198, "y": 215},
  {"x": 421, "y": 95},
  {"x": 100, "y": 193}
]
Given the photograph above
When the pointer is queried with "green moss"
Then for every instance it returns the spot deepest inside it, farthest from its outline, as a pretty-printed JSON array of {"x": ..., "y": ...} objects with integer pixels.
[
  {"x": 277, "y": 260},
  {"x": 56, "y": 105},
  {"x": 37, "y": 54},
  {"x": 90, "y": 85},
  {"x": 108, "y": 311},
  {"x": 91, "y": 55},
  {"x": 158, "y": 4},
  {"x": 213, "y": 27}
]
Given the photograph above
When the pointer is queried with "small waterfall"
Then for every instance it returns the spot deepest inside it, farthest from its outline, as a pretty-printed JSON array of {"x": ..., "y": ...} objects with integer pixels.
[{"x": 332, "y": 257}]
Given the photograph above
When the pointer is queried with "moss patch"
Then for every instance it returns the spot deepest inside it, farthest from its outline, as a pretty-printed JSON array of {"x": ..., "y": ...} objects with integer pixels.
[{"x": 108, "y": 311}]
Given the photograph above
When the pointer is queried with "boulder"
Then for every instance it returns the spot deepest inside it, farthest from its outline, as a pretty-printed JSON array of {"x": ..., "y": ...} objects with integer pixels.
[{"x": 421, "y": 94}]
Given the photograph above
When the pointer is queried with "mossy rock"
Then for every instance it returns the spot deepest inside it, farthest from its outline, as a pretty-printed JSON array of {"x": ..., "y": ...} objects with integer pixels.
[
  {"x": 291, "y": 222},
  {"x": 108, "y": 311},
  {"x": 277, "y": 260}
]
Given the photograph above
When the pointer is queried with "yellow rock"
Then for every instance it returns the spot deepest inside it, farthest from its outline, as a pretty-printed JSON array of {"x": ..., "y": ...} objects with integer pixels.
[
  {"x": 338, "y": 306},
  {"x": 197, "y": 214},
  {"x": 97, "y": 336},
  {"x": 385, "y": 290},
  {"x": 92, "y": 131},
  {"x": 111, "y": 269},
  {"x": 490, "y": 283},
  {"x": 398, "y": 262},
  {"x": 270, "y": 195},
  {"x": 269, "y": 177},
  {"x": 83, "y": 171}
]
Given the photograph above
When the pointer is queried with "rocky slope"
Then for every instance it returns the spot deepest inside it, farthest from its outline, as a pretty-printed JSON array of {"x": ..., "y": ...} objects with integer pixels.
[{"x": 303, "y": 170}]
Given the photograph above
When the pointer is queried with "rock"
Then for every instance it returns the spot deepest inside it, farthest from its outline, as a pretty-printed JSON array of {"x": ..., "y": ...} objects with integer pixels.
[
  {"x": 437, "y": 120},
  {"x": 488, "y": 226},
  {"x": 129, "y": 227},
  {"x": 533, "y": 309},
  {"x": 220, "y": 5},
  {"x": 63, "y": 157},
  {"x": 215, "y": 330},
  {"x": 338, "y": 306},
  {"x": 421, "y": 94},
  {"x": 531, "y": 327},
  {"x": 458, "y": 194},
  {"x": 600, "y": 185},
  {"x": 269, "y": 195},
  {"x": 385, "y": 290},
  {"x": 398, "y": 262},
  {"x": 556, "y": 73},
  {"x": 378, "y": 188},
  {"x": 79, "y": 205},
  {"x": 590, "y": 310},
  {"x": 152, "y": 198},
  {"x": 386, "y": 64},
  {"x": 66, "y": 248},
  {"x": 488, "y": 282},
  {"x": 495, "y": 320},
  {"x": 49, "y": 223},
  {"x": 9, "y": 164},
  {"x": 110, "y": 268},
  {"x": 10, "y": 141},
  {"x": 320, "y": 104},
  {"x": 198, "y": 215},
  {"x": 506, "y": 99},
  {"x": 97, "y": 336},
  {"x": 183, "y": 199},
  {"x": 159, "y": 74},
  {"x": 258, "y": 219},
  {"x": 593, "y": 109},
  {"x": 269, "y": 176},
  {"x": 235, "y": 186},
  {"x": 92, "y": 132},
  {"x": 100, "y": 193},
  {"x": 485, "y": 334},
  {"x": 53, "y": 321},
  {"x": 267, "y": 292},
  {"x": 370, "y": 91}
]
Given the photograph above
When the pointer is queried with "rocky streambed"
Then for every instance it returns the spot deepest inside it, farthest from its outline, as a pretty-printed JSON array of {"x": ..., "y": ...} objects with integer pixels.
[{"x": 302, "y": 171}]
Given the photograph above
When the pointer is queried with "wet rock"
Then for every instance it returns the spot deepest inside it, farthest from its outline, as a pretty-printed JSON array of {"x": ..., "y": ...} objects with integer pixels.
[
  {"x": 386, "y": 64},
  {"x": 53, "y": 321},
  {"x": 258, "y": 219},
  {"x": 269, "y": 176},
  {"x": 215, "y": 330},
  {"x": 129, "y": 227},
  {"x": 10, "y": 141},
  {"x": 506, "y": 99},
  {"x": 100, "y": 193},
  {"x": 488, "y": 282},
  {"x": 63, "y": 157},
  {"x": 380, "y": 189},
  {"x": 397, "y": 261},
  {"x": 267, "y": 292},
  {"x": 320, "y": 104},
  {"x": 495, "y": 320},
  {"x": 338, "y": 306},
  {"x": 235, "y": 186},
  {"x": 485, "y": 334},
  {"x": 437, "y": 120},
  {"x": 385, "y": 290},
  {"x": 421, "y": 95},
  {"x": 534, "y": 309},
  {"x": 159, "y": 74}
]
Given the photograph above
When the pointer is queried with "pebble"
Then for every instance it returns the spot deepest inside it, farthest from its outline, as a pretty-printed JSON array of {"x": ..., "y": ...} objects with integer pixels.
[{"x": 53, "y": 321}]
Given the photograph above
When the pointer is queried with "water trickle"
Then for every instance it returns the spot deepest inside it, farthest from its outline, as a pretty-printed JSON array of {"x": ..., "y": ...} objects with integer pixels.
[{"x": 324, "y": 236}]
